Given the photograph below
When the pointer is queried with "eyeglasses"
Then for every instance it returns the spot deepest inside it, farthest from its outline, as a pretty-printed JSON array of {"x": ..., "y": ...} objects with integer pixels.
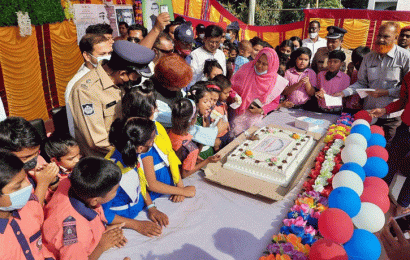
[
  {"x": 165, "y": 51},
  {"x": 133, "y": 39}
]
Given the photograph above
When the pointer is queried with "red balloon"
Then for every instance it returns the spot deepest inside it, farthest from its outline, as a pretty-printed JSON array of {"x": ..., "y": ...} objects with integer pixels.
[
  {"x": 377, "y": 151},
  {"x": 363, "y": 114},
  {"x": 325, "y": 249},
  {"x": 375, "y": 129},
  {"x": 335, "y": 225},
  {"x": 373, "y": 195},
  {"x": 377, "y": 184}
]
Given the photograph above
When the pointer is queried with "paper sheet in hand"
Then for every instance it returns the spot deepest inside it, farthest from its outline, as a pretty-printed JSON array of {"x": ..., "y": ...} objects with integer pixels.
[
  {"x": 333, "y": 101},
  {"x": 362, "y": 92}
]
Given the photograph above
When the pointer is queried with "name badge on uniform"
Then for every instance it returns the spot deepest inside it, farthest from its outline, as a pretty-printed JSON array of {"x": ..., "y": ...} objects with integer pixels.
[
  {"x": 88, "y": 109},
  {"x": 69, "y": 231},
  {"x": 111, "y": 104}
]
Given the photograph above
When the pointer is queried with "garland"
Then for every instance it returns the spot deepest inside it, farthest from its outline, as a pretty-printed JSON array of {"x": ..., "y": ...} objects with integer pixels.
[
  {"x": 39, "y": 11},
  {"x": 300, "y": 228}
]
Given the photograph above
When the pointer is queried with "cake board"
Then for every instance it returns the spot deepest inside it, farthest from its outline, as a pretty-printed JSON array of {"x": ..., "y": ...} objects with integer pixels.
[{"x": 215, "y": 172}]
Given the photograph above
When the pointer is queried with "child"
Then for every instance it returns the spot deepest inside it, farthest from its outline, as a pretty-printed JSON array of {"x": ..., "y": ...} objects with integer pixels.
[
  {"x": 183, "y": 117},
  {"x": 332, "y": 81},
  {"x": 20, "y": 138},
  {"x": 64, "y": 151},
  {"x": 245, "y": 49},
  {"x": 285, "y": 49},
  {"x": 161, "y": 165},
  {"x": 211, "y": 69},
  {"x": 353, "y": 103},
  {"x": 74, "y": 226},
  {"x": 302, "y": 79},
  {"x": 130, "y": 138},
  {"x": 202, "y": 98},
  {"x": 222, "y": 107},
  {"x": 21, "y": 214}
]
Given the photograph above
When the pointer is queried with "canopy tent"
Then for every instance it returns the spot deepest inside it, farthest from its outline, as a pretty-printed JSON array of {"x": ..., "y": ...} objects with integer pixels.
[{"x": 35, "y": 70}]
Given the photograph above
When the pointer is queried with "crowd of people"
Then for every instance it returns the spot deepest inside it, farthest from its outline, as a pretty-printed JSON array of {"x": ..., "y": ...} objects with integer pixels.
[{"x": 148, "y": 109}]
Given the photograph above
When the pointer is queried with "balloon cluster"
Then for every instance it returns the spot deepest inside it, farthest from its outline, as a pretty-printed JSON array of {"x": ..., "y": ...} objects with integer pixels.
[{"x": 359, "y": 197}]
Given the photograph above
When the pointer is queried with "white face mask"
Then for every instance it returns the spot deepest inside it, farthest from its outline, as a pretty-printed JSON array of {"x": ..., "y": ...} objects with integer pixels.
[
  {"x": 313, "y": 35},
  {"x": 202, "y": 35},
  {"x": 105, "y": 57},
  {"x": 260, "y": 73},
  {"x": 18, "y": 198}
]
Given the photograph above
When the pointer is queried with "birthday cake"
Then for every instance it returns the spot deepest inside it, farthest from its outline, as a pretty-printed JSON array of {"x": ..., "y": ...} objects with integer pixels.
[{"x": 275, "y": 156}]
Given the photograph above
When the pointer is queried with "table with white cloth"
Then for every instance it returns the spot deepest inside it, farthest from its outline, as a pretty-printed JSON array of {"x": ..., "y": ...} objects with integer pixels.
[{"x": 219, "y": 222}]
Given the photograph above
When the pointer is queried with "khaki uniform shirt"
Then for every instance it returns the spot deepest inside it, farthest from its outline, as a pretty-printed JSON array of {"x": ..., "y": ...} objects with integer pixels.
[
  {"x": 95, "y": 102},
  {"x": 321, "y": 57}
]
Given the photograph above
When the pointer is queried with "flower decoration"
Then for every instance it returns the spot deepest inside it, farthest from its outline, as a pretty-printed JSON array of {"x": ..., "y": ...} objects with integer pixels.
[
  {"x": 24, "y": 23},
  {"x": 249, "y": 153}
]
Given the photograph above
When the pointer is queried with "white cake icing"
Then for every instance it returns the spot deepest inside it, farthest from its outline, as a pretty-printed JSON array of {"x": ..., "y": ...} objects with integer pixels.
[{"x": 275, "y": 158}]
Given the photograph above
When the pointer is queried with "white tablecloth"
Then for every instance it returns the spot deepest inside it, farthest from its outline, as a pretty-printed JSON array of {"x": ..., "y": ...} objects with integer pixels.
[{"x": 218, "y": 223}]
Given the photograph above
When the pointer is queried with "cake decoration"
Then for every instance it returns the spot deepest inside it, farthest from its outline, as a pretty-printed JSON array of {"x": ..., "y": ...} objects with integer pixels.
[{"x": 276, "y": 156}]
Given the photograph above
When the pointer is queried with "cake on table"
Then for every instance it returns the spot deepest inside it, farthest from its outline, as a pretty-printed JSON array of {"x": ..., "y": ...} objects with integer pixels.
[{"x": 275, "y": 156}]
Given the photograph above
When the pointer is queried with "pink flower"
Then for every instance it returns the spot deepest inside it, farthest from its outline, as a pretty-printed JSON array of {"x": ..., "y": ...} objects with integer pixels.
[
  {"x": 310, "y": 230},
  {"x": 295, "y": 208},
  {"x": 305, "y": 208},
  {"x": 289, "y": 222},
  {"x": 300, "y": 222}
]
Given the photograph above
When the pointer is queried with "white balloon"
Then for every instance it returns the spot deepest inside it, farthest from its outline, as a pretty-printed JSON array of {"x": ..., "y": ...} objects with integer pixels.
[
  {"x": 354, "y": 153},
  {"x": 356, "y": 138},
  {"x": 370, "y": 218},
  {"x": 361, "y": 122},
  {"x": 348, "y": 179}
]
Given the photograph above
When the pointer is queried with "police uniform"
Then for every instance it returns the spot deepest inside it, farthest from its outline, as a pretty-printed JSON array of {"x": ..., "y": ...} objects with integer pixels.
[
  {"x": 20, "y": 235},
  {"x": 95, "y": 100},
  {"x": 322, "y": 54},
  {"x": 71, "y": 230}
]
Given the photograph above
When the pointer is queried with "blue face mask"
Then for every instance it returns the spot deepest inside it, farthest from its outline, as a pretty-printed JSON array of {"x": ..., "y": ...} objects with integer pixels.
[
  {"x": 228, "y": 36},
  {"x": 18, "y": 198},
  {"x": 260, "y": 73}
]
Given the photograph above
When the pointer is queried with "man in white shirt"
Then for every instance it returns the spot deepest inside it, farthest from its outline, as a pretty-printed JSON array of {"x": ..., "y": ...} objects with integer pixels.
[
  {"x": 314, "y": 42},
  {"x": 94, "y": 48},
  {"x": 210, "y": 50}
]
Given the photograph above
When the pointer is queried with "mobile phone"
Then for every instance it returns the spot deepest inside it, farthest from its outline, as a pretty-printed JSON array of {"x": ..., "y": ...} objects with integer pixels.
[
  {"x": 404, "y": 224},
  {"x": 164, "y": 9}
]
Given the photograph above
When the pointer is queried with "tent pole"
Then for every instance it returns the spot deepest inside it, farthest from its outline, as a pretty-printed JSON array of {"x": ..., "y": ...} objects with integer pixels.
[{"x": 251, "y": 16}]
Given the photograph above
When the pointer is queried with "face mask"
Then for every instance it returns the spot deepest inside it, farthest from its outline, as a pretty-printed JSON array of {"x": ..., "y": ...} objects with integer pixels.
[
  {"x": 228, "y": 36},
  {"x": 260, "y": 73},
  {"x": 30, "y": 165},
  {"x": 18, "y": 199},
  {"x": 313, "y": 35},
  {"x": 202, "y": 35},
  {"x": 285, "y": 56},
  {"x": 184, "y": 52},
  {"x": 106, "y": 57}
]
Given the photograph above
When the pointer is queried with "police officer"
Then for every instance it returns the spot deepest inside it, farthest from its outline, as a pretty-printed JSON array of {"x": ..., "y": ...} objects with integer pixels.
[
  {"x": 96, "y": 98},
  {"x": 334, "y": 42}
]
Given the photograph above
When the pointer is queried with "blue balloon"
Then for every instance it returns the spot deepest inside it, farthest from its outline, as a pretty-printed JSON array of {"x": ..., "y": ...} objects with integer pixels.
[
  {"x": 354, "y": 167},
  {"x": 376, "y": 167},
  {"x": 345, "y": 199},
  {"x": 377, "y": 139},
  {"x": 363, "y": 246},
  {"x": 363, "y": 130}
]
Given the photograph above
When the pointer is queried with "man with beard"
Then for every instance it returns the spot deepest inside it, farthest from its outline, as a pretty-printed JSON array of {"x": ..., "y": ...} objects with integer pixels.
[
  {"x": 334, "y": 42},
  {"x": 382, "y": 70},
  {"x": 404, "y": 38},
  {"x": 95, "y": 99}
]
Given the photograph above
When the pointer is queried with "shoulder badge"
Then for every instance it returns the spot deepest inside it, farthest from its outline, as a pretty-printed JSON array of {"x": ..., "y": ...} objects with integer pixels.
[
  {"x": 69, "y": 231},
  {"x": 88, "y": 109},
  {"x": 189, "y": 145}
]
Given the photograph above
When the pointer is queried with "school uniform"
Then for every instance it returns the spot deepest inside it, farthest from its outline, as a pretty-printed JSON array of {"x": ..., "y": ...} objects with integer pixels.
[
  {"x": 71, "y": 229},
  {"x": 225, "y": 136},
  {"x": 20, "y": 235},
  {"x": 186, "y": 150},
  {"x": 129, "y": 200},
  {"x": 337, "y": 84}
]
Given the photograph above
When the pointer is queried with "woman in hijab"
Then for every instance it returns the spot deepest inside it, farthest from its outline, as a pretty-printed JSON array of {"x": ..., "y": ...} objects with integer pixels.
[{"x": 260, "y": 86}]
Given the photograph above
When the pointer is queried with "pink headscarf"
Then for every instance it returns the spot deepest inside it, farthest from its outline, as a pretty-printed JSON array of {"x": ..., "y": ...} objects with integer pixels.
[{"x": 251, "y": 86}]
